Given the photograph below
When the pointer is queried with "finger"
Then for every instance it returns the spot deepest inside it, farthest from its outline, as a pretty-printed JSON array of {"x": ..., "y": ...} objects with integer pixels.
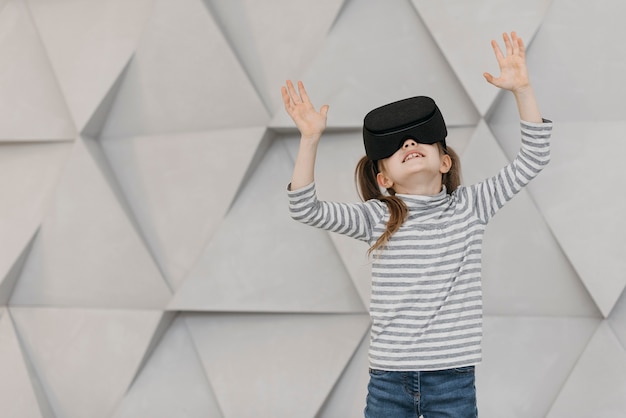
[
  {"x": 497, "y": 50},
  {"x": 493, "y": 80},
  {"x": 303, "y": 93},
  {"x": 292, "y": 92},
  {"x": 515, "y": 43},
  {"x": 507, "y": 43},
  {"x": 521, "y": 47},
  {"x": 286, "y": 98},
  {"x": 324, "y": 110}
]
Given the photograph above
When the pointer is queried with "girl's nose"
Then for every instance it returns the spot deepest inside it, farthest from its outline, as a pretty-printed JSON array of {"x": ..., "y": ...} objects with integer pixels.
[{"x": 409, "y": 143}]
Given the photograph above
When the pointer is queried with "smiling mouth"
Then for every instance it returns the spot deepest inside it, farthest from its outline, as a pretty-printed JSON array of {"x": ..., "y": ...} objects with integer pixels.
[{"x": 412, "y": 155}]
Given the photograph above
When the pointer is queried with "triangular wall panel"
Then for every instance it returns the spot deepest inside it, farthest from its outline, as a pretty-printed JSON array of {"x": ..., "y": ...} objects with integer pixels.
[
  {"x": 513, "y": 284},
  {"x": 8, "y": 282},
  {"x": 294, "y": 364},
  {"x": 617, "y": 320},
  {"x": 347, "y": 399},
  {"x": 526, "y": 360},
  {"x": 584, "y": 213},
  {"x": 183, "y": 78},
  {"x": 281, "y": 272},
  {"x": 358, "y": 69},
  {"x": 87, "y": 252},
  {"x": 16, "y": 393},
  {"x": 172, "y": 383},
  {"x": 93, "y": 127},
  {"x": 599, "y": 375},
  {"x": 85, "y": 359},
  {"x": 171, "y": 183},
  {"x": 590, "y": 93},
  {"x": 29, "y": 174},
  {"x": 32, "y": 105},
  {"x": 89, "y": 42},
  {"x": 463, "y": 30},
  {"x": 271, "y": 52}
]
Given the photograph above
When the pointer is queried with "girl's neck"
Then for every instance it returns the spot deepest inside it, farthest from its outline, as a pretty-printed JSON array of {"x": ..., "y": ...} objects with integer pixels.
[{"x": 430, "y": 188}]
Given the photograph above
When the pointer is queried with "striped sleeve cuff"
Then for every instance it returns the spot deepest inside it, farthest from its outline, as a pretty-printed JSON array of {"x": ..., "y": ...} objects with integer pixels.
[
  {"x": 546, "y": 124},
  {"x": 301, "y": 191}
]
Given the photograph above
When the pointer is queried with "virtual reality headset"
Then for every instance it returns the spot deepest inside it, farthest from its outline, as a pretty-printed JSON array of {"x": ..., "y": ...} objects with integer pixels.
[{"x": 386, "y": 128}]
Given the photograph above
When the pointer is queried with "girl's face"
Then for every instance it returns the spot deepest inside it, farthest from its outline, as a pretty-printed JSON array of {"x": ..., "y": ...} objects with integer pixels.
[{"x": 414, "y": 169}]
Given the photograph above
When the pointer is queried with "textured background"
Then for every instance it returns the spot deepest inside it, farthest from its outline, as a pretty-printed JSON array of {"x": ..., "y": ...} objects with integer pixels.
[{"x": 149, "y": 268}]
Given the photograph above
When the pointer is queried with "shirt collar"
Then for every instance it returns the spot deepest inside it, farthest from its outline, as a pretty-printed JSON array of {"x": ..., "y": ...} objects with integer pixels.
[{"x": 424, "y": 201}]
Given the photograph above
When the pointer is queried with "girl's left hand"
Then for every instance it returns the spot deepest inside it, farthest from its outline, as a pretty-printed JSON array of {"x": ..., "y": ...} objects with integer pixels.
[{"x": 513, "y": 72}]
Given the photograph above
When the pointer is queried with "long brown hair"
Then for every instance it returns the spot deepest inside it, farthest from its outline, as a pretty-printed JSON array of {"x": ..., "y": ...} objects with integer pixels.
[{"x": 367, "y": 187}]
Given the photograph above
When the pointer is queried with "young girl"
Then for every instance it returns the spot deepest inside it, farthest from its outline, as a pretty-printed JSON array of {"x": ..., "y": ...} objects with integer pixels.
[{"x": 425, "y": 233}]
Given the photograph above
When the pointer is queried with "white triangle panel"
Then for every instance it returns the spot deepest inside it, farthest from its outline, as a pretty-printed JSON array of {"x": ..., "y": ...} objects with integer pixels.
[
  {"x": 171, "y": 183},
  {"x": 89, "y": 42},
  {"x": 596, "y": 387},
  {"x": 31, "y": 103},
  {"x": 591, "y": 92},
  {"x": 617, "y": 320},
  {"x": 576, "y": 195},
  {"x": 261, "y": 260},
  {"x": 28, "y": 176},
  {"x": 290, "y": 362},
  {"x": 85, "y": 359},
  {"x": 93, "y": 127},
  {"x": 87, "y": 252},
  {"x": 464, "y": 30},
  {"x": 16, "y": 391},
  {"x": 526, "y": 360},
  {"x": 524, "y": 269},
  {"x": 459, "y": 139},
  {"x": 7, "y": 283},
  {"x": 172, "y": 383},
  {"x": 183, "y": 78},
  {"x": 353, "y": 253},
  {"x": 347, "y": 400},
  {"x": 272, "y": 52},
  {"x": 364, "y": 65}
]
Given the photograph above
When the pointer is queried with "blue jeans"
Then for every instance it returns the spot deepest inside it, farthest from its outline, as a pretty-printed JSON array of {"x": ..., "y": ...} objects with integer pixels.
[{"x": 431, "y": 394}]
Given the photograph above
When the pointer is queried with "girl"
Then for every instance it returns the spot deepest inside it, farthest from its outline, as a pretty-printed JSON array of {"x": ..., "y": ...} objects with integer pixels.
[{"x": 425, "y": 233}]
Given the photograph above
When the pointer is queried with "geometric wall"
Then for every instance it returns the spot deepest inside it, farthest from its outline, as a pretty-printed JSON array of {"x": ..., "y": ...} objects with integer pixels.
[{"x": 148, "y": 264}]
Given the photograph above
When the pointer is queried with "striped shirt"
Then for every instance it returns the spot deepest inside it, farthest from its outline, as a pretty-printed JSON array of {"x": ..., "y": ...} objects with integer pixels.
[{"x": 426, "y": 299}]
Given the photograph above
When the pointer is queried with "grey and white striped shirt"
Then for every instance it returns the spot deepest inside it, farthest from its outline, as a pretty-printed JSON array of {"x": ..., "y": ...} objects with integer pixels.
[{"x": 426, "y": 303}]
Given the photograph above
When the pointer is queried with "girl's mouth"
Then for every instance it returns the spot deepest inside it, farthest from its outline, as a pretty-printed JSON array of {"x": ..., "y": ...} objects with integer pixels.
[{"x": 412, "y": 155}]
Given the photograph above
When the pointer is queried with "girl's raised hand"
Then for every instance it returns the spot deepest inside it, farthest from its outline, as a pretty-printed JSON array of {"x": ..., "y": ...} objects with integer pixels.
[
  {"x": 309, "y": 122},
  {"x": 513, "y": 72}
]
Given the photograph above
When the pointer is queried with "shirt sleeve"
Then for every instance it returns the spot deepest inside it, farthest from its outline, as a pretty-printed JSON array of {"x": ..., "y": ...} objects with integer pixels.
[
  {"x": 490, "y": 195},
  {"x": 355, "y": 220}
]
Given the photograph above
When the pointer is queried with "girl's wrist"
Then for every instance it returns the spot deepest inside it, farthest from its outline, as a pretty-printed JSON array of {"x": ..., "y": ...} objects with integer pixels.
[
  {"x": 523, "y": 90},
  {"x": 310, "y": 138}
]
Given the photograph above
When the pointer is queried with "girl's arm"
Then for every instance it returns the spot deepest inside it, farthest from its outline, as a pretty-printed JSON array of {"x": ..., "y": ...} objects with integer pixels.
[
  {"x": 311, "y": 124},
  {"x": 514, "y": 77},
  {"x": 490, "y": 195},
  {"x": 354, "y": 220}
]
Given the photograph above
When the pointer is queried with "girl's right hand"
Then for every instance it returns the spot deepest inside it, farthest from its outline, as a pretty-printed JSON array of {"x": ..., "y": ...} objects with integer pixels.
[{"x": 309, "y": 122}]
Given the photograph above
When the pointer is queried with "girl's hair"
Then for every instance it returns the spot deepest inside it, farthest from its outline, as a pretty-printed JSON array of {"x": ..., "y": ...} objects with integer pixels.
[{"x": 367, "y": 186}]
